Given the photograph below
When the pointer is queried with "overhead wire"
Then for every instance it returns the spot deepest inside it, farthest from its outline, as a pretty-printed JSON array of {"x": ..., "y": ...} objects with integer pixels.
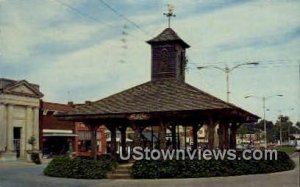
[
  {"x": 78, "y": 11},
  {"x": 124, "y": 17}
]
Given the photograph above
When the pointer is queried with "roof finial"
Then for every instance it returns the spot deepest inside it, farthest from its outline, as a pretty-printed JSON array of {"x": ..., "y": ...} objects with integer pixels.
[{"x": 170, "y": 13}]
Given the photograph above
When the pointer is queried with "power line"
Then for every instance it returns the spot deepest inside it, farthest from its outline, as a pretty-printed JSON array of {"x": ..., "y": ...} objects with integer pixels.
[
  {"x": 83, "y": 13},
  {"x": 124, "y": 17}
]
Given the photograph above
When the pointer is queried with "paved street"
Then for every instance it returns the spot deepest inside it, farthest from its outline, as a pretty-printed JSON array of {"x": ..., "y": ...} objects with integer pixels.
[{"x": 29, "y": 175}]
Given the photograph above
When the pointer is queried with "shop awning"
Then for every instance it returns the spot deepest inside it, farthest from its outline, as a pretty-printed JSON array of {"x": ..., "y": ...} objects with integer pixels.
[
  {"x": 119, "y": 140},
  {"x": 58, "y": 133}
]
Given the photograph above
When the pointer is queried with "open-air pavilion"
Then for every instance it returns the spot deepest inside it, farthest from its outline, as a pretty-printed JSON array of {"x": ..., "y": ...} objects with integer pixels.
[{"x": 166, "y": 101}]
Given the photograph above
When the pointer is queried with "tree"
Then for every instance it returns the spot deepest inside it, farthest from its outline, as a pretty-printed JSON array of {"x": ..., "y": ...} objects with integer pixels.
[
  {"x": 284, "y": 125},
  {"x": 242, "y": 131},
  {"x": 298, "y": 124},
  {"x": 32, "y": 142}
]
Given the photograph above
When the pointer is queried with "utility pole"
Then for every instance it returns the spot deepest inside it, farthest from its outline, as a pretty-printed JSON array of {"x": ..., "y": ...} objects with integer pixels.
[
  {"x": 280, "y": 128},
  {"x": 227, "y": 71},
  {"x": 265, "y": 122},
  {"x": 264, "y": 98}
]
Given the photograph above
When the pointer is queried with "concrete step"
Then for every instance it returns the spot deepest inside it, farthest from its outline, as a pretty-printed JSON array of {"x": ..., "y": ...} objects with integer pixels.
[
  {"x": 118, "y": 171},
  {"x": 121, "y": 172},
  {"x": 127, "y": 166},
  {"x": 119, "y": 176}
]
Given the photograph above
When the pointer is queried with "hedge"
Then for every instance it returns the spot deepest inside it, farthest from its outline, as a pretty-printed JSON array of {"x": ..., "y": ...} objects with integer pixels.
[
  {"x": 148, "y": 169},
  {"x": 79, "y": 168}
]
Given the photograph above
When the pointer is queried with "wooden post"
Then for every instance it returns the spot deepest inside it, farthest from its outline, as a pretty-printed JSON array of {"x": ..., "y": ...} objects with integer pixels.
[
  {"x": 221, "y": 135},
  {"x": 122, "y": 129},
  {"x": 137, "y": 134},
  {"x": 113, "y": 143},
  {"x": 232, "y": 144},
  {"x": 173, "y": 132},
  {"x": 152, "y": 140},
  {"x": 211, "y": 133},
  {"x": 178, "y": 137},
  {"x": 94, "y": 142},
  {"x": 162, "y": 135},
  {"x": 185, "y": 145},
  {"x": 195, "y": 136},
  {"x": 93, "y": 129},
  {"x": 226, "y": 137}
]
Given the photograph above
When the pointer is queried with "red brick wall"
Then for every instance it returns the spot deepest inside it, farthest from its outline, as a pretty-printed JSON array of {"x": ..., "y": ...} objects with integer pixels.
[
  {"x": 49, "y": 121},
  {"x": 81, "y": 127}
]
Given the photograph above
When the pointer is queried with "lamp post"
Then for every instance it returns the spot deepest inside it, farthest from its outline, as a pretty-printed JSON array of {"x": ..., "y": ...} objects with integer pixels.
[
  {"x": 280, "y": 123},
  {"x": 264, "y": 98},
  {"x": 227, "y": 70}
]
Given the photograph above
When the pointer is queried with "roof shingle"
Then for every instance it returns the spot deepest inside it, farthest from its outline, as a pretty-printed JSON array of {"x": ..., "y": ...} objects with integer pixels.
[
  {"x": 154, "y": 96},
  {"x": 168, "y": 35}
]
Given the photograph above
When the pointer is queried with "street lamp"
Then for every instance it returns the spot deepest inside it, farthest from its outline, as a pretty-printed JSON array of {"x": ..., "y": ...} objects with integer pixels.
[
  {"x": 264, "y": 98},
  {"x": 280, "y": 124},
  {"x": 227, "y": 70},
  {"x": 280, "y": 116}
]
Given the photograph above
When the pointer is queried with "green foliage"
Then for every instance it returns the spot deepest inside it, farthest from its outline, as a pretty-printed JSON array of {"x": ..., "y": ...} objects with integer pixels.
[
  {"x": 288, "y": 149},
  {"x": 203, "y": 168},
  {"x": 32, "y": 140},
  {"x": 79, "y": 168}
]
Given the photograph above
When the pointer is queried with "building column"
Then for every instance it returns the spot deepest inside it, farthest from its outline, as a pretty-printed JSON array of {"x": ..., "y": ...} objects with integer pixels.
[
  {"x": 29, "y": 128},
  {"x": 36, "y": 126},
  {"x": 10, "y": 128},
  {"x": 3, "y": 127}
]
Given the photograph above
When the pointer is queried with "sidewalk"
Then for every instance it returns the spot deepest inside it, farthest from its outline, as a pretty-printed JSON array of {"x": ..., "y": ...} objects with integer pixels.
[
  {"x": 21, "y": 163},
  {"x": 14, "y": 164}
]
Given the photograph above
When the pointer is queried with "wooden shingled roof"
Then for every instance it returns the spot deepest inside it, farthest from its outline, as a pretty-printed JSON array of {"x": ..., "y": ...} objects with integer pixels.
[
  {"x": 168, "y": 35},
  {"x": 155, "y": 96}
]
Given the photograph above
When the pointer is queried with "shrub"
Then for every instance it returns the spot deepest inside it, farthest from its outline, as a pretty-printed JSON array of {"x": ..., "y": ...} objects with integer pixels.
[
  {"x": 208, "y": 168},
  {"x": 79, "y": 168}
]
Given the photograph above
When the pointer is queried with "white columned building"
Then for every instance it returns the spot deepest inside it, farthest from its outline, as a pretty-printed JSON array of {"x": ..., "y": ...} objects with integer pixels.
[{"x": 19, "y": 118}]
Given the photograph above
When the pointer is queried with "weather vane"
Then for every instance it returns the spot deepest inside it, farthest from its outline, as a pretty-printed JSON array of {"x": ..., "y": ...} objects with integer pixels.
[{"x": 170, "y": 13}]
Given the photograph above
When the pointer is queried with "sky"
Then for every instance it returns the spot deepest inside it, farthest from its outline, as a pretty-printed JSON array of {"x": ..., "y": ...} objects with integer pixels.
[{"x": 79, "y": 50}]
